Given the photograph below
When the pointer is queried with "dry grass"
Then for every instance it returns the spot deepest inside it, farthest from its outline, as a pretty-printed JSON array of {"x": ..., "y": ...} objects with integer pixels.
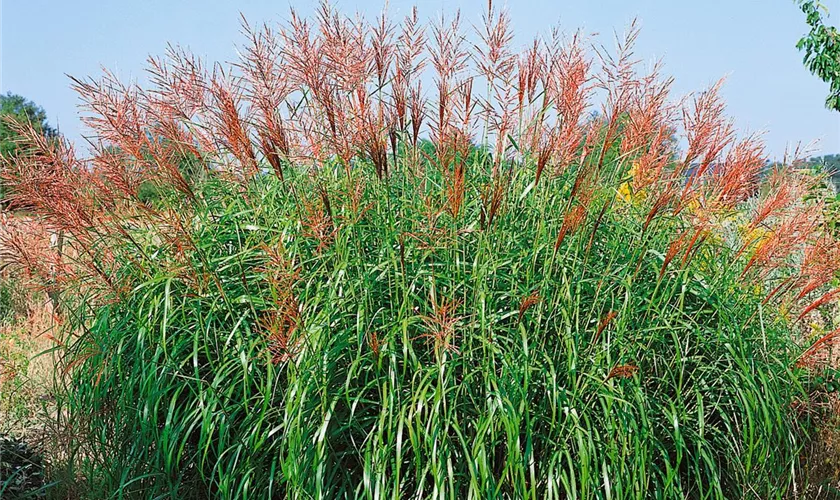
[{"x": 28, "y": 334}]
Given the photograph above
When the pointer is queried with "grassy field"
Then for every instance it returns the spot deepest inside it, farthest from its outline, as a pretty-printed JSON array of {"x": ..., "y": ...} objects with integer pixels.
[{"x": 308, "y": 276}]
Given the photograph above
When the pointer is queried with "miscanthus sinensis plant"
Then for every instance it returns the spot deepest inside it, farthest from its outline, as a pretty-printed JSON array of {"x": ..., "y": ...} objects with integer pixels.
[{"x": 353, "y": 280}]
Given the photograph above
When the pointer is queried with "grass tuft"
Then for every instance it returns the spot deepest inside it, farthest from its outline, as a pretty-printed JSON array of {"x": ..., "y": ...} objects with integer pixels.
[{"x": 272, "y": 285}]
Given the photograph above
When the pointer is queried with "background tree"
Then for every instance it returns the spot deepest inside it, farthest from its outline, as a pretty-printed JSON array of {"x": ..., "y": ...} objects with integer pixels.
[
  {"x": 13, "y": 106},
  {"x": 18, "y": 107},
  {"x": 822, "y": 50},
  {"x": 830, "y": 192}
]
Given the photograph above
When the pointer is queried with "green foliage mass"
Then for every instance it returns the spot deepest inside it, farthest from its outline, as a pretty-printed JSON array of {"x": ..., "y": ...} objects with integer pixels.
[
  {"x": 21, "y": 471},
  {"x": 13, "y": 106},
  {"x": 17, "y": 107},
  {"x": 10, "y": 300},
  {"x": 829, "y": 166},
  {"x": 335, "y": 345},
  {"x": 822, "y": 50}
]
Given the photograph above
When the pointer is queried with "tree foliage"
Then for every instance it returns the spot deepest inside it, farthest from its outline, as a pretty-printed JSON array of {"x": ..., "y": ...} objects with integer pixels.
[
  {"x": 17, "y": 108},
  {"x": 822, "y": 50},
  {"x": 21, "y": 109}
]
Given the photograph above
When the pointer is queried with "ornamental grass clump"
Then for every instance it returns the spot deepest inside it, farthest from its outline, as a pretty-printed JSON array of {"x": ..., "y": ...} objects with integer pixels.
[{"x": 356, "y": 281}]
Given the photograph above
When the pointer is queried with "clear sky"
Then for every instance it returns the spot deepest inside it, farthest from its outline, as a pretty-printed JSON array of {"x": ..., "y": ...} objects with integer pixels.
[{"x": 751, "y": 41}]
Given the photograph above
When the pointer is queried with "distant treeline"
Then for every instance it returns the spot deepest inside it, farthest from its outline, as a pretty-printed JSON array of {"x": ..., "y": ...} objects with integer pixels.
[{"x": 831, "y": 165}]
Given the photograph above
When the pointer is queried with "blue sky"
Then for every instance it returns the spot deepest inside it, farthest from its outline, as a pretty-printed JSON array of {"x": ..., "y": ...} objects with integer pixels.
[{"x": 751, "y": 41}]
